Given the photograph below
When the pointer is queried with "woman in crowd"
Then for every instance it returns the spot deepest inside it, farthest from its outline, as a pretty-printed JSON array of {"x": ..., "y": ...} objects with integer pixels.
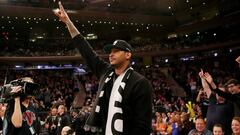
[{"x": 236, "y": 126}]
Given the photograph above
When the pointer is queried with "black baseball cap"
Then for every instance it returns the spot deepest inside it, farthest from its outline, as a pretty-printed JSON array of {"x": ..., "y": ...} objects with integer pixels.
[{"x": 119, "y": 44}]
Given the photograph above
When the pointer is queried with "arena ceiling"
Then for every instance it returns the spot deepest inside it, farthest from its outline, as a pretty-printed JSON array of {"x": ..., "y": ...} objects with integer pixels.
[{"x": 108, "y": 18}]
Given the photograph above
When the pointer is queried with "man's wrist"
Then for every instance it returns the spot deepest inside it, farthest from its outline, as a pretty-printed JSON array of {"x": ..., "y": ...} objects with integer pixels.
[
  {"x": 213, "y": 85},
  {"x": 17, "y": 99}
]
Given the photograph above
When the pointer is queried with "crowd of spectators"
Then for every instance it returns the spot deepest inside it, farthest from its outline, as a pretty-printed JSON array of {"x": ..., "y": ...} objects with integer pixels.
[
  {"x": 14, "y": 46},
  {"x": 171, "y": 114}
]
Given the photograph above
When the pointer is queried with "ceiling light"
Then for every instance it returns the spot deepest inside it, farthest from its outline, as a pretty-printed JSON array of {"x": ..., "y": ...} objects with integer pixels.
[
  {"x": 169, "y": 7},
  {"x": 166, "y": 60}
]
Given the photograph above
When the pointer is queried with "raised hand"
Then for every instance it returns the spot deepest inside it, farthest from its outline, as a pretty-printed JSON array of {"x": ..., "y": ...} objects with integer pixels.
[
  {"x": 208, "y": 77},
  {"x": 16, "y": 89},
  {"x": 63, "y": 16},
  {"x": 61, "y": 13},
  {"x": 201, "y": 74}
]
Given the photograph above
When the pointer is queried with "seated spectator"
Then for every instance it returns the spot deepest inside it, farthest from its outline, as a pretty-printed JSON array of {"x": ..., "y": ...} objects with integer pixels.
[
  {"x": 160, "y": 126},
  {"x": 236, "y": 126},
  {"x": 218, "y": 129},
  {"x": 67, "y": 131},
  {"x": 51, "y": 121},
  {"x": 63, "y": 118},
  {"x": 200, "y": 128},
  {"x": 187, "y": 125}
]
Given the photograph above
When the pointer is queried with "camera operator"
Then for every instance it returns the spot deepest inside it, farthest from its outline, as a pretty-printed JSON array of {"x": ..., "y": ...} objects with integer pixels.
[
  {"x": 20, "y": 117},
  {"x": 2, "y": 113}
]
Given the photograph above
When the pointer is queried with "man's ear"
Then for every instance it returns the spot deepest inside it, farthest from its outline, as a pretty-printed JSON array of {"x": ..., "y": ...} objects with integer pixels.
[{"x": 128, "y": 55}]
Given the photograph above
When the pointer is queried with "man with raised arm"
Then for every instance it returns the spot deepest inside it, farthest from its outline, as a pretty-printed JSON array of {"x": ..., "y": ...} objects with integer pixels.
[{"x": 124, "y": 99}]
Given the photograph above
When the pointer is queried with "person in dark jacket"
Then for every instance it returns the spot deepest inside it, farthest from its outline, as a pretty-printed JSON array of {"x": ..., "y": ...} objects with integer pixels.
[
  {"x": 52, "y": 121},
  {"x": 63, "y": 119},
  {"x": 232, "y": 87},
  {"x": 124, "y": 99},
  {"x": 218, "y": 106}
]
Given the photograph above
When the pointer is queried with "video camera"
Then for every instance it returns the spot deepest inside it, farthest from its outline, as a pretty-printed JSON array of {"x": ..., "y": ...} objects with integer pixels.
[{"x": 28, "y": 88}]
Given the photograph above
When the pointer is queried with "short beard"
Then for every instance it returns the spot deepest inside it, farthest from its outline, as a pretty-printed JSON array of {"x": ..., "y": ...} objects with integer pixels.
[{"x": 113, "y": 65}]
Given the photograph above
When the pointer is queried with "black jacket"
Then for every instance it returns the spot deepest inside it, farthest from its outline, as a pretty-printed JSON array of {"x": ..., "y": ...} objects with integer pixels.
[
  {"x": 137, "y": 96},
  {"x": 234, "y": 98}
]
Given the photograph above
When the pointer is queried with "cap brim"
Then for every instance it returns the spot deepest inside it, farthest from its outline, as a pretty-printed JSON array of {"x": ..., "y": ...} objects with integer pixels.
[{"x": 109, "y": 47}]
